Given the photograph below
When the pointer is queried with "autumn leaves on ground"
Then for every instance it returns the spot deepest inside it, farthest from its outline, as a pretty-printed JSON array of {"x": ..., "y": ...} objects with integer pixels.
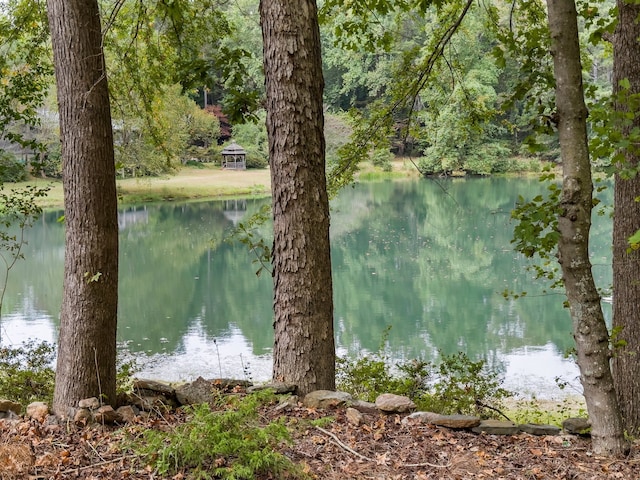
[{"x": 323, "y": 445}]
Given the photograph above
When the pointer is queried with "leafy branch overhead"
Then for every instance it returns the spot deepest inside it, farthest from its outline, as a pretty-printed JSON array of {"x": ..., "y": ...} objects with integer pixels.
[{"x": 25, "y": 73}]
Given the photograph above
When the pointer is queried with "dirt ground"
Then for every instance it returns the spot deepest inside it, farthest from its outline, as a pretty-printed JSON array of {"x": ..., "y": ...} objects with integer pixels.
[{"x": 380, "y": 448}]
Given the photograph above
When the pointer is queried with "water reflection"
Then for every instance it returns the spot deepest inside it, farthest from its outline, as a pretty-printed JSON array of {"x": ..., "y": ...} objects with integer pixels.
[{"x": 430, "y": 259}]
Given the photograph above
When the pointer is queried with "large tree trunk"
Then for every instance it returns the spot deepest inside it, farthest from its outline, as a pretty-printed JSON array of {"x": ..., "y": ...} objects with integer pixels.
[
  {"x": 574, "y": 223},
  {"x": 304, "y": 349},
  {"x": 626, "y": 221},
  {"x": 87, "y": 345}
]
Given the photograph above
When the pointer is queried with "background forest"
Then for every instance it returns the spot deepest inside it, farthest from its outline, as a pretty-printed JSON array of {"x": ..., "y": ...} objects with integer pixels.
[{"x": 185, "y": 78}]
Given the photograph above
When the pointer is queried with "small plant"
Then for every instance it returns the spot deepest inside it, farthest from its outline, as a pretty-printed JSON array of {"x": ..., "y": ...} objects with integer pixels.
[
  {"x": 463, "y": 386},
  {"x": 228, "y": 443},
  {"x": 125, "y": 375},
  {"x": 368, "y": 376},
  {"x": 11, "y": 170},
  {"x": 456, "y": 385},
  {"x": 364, "y": 378},
  {"x": 382, "y": 158},
  {"x": 546, "y": 412},
  {"x": 26, "y": 372}
]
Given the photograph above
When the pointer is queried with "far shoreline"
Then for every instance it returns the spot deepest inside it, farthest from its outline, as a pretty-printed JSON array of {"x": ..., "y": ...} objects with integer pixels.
[{"x": 207, "y": 182}]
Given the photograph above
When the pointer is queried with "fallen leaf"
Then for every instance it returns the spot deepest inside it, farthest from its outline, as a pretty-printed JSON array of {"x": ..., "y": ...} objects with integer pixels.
[{"x": 382, "y": 459}]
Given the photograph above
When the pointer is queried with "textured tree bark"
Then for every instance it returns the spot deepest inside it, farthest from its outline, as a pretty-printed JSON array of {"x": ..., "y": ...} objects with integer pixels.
[
  {"x": 626, "y": 221},
  {"x": 304, "y": 349},
  {"x": 86, "y": 365},
  {"x": 574, "y": 223}
]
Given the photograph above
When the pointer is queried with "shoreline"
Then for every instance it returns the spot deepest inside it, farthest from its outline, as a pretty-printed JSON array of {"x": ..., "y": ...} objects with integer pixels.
[{"x": 207, "y": 182}]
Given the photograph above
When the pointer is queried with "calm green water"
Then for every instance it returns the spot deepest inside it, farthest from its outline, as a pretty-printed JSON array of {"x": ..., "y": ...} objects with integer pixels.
[{"x": 428, "y": 258}]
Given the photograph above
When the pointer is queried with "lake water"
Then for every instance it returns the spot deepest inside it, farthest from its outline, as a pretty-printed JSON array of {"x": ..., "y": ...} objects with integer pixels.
[{"x": 428, "y": 258}]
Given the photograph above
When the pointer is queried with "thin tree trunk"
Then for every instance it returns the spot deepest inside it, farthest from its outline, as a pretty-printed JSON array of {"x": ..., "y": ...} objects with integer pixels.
[
  {"x": 86, "y": 364},
  {"x": 574, "y": 223},
  {"x": 304, "y": 349},
  {"x": 626, "y": 221}
]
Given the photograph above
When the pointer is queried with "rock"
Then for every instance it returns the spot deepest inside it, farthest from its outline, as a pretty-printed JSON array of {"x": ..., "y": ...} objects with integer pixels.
[
  {"x": 9, "y": 406},
  {"x": 127, "y": 413},
  {"x": 326, "y": 399},
  {"x": 577, "y": 426},
  {"x": 496, "y": 427},
  {"x": 150, "y": 402},
  {"x": 82, "y": 417},
  {"x": 91, "y": 403},
  {"x": 229, "y": 383},
  {"x": 107, "y": 415},
  {"x": 196, "y": 392},
  {"x": 10, "y": 416},
  {"x": 364, "y": 407},
  {"x": 38, "y": 411},
  {"x": 354, "y": 417},
  {"x": 535, "y": 429},
  {"x": 391, "y": 403},
  {"x": 449, "y": 421},
  {"x": 279, "y": 388},
  {"x": 287, "y": 403},
  {"x": 154, "y": 387},
  {"x": 52, "y": 421},
  {"x": 419, "y": 417}
]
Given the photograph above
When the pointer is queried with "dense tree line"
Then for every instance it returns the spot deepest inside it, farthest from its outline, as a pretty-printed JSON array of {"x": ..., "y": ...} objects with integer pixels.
[{"x": 165, "y": 61}]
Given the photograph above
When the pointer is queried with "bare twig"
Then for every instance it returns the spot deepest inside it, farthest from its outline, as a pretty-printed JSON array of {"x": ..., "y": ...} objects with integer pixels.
[
  {"x": 346, "y": 447},
  {"x": 425, "y": 464},
  {"x": 359, "y": 455},
  {"x": 99, "y": 464}
]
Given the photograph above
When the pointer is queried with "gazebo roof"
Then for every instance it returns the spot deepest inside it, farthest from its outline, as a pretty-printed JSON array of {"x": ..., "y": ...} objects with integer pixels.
[{"x": 233, "y": 149}]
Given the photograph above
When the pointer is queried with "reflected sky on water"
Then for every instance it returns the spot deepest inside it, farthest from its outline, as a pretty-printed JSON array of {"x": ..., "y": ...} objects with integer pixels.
[{"x": 430, "y": 259}]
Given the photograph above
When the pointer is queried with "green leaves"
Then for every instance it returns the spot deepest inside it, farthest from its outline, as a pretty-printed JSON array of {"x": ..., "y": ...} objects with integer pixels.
[
  {"x": 616, "y": 133},
  {"x": 634, "y": 241},
  {"x": 25, "y": 71},
  {"x": 536, "y": 230},
  {"x": 227, "y": 443}
]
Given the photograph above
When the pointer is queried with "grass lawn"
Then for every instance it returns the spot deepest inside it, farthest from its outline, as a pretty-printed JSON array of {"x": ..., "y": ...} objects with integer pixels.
[
  {"x": 206, "y": 182},
  {"x": 189, "y": 183}
]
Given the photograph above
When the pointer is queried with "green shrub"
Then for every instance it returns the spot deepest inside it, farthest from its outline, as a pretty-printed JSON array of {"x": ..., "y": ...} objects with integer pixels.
[
  {"x": 11, "y": 170},
  {"x": 364, "y": 378},
  {"x": 463, "y": 386},
  {"x": 455, "y": 385},
  {"x": 228, "y": 443},
  {"x": 430, "y": 165},
  {"x": 367, "y": 377},
  {"x": 382, "y": 158},
  {"x": 26, "y": 373},
  {"x": 253, "y": 138},
  {"x": 491, "y": 157}
]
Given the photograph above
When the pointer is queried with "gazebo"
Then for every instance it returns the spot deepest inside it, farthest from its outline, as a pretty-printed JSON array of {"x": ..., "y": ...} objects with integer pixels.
[{"x": 234, "y": 157}]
